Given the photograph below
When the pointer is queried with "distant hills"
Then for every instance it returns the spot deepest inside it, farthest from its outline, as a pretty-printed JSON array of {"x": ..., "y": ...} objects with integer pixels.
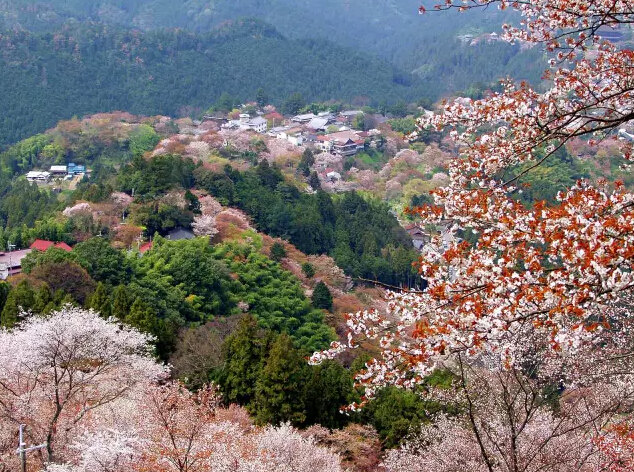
[
  {"x": 90, "y": 68},
  {"x": 65, "y": 57},
  {"x": 391, "y": 29}
]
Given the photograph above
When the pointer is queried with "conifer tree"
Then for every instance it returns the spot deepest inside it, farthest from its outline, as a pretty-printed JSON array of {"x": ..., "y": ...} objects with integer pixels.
[
  {"x": 278, "y": 252},
  {"x": 313, "y": 181},
  {"x": 43, "y": 300},
  {"x": 322, "y": 298},
  {"x": 330, "y": 387},
  {"x": 100, "y": 301},
  {"x": 280, "y": 390},
  {"x": 141, "y": 316},
  {"x": 20, "y": 298},
  {"x": 306, "y": 162},
  {"x": 243, "y": 351},
  {"x": 121, "y": 302}
]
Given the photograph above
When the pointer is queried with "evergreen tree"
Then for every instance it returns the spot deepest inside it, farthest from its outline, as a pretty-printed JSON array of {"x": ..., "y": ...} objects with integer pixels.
[
  {"x": 20, "y": 298},
  {"x": 330, "y": 387},
  {"x": 193, "y": 202},
  {"x": 225, "y": 102},
  {"x": 242, "y": 351},
  {"x": 261, "y": 97},
  {"x": 306, "y": 162},
  {"x": 43, "y": 299},
  {"x": 5, "y": 288},
  {"x": 308, "y": 269},
  {"x": 278, "y": 252},
  {"x": 121, "y": 303},
  {"x": 281, "y": 387},
  {"x": 314, "y": 182},
  {"x": 322, "y": 298},
  {"x": 100, "y": 301},
  {"x": 293, "y": 104},
  {"x": 142, "y": 317}
]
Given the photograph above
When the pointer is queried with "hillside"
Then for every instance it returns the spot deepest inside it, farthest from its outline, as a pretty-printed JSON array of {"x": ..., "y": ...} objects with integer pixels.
[
  {"x": 389, "y": 28},
  {"x": 90, "y": 68},
  {"x": 429, "y": 45}
]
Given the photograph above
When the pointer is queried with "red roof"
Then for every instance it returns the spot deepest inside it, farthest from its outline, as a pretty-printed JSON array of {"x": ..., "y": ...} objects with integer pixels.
[
  {"x": 63, "y": 246},
  {"x": 42, "y": 245},
  {"x": 145, "y": 247}
]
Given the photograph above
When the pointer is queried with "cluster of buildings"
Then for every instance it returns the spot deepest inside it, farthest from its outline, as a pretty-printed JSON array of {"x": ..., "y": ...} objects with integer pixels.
[
  {"x": 327, "y": 131},
  {"x": 11, "y": 261},
  {"x": 56, "y": 172}
]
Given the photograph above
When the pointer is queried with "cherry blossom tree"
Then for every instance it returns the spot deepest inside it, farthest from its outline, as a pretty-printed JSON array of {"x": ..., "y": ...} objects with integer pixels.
[
  {"x": 209, "y": 205},
  {"x": 547, "y": 282},
  {"x": 57, "y": 371},
  {"x": 92, "y": 391},
  {"x": 204, "y": 225}
]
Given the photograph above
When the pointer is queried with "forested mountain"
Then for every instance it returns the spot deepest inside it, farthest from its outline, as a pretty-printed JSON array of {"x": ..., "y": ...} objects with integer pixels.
[
  {"x": 89, "y": 68},
  {"x": 389, "y": 28},
  {"x": 436, "y": 48}
]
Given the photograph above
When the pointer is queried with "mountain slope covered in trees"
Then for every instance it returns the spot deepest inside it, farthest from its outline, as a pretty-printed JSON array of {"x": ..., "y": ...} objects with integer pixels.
[
  {"x": 90, "y": 68},
  {"x": 389, "y": 28}
]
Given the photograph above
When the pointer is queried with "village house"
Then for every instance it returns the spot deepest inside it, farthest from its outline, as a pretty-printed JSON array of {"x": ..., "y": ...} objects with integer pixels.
[
  {"x": 291, "y": 134},
  {"x": 58, "y": 171},
  {"x": 303, "y": 119},
  {"x": 75, "y": 169},
  {"x": 43, "y": 245},
  {"x": 348, "y": 116},
  {"x": 11, "y": 262},
  {"x": 343, "y": 143},
  {"x": 623, "y": 134},
  {"x": 257, "y": 124},
  {"x": 38, "y": 176},
  {"x": 318, "y": 124},
  {"x": 419, "y": 237}
]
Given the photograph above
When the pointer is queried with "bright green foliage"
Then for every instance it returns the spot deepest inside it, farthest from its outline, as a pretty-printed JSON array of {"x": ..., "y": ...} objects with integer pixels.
[
  {"x": 52, "y": 255},
  {"x": 556, "y": 174},
  {"x": 395, "y": 413},
  {"x": 353, "y": 230},
  {"x": 322, "y": 298},
  {"x": 403, "y": 125},
  {"x": 100, "y": 301},
  {"x": 278, "y": 252},
  {"x": 121, "y": 302},
  {"x": 275, "y": 297},
  {"x": 102, "y": 261},
  {"x": 21, "y": 297},
  {"x": 243, "y": 352},
  {"x": 279, "y": 394},
  {"x": 329, "y": 388},
  {"x": 143, "y": 139},
  {"x": 142, "y": 317},
  {"x": 187, "y": 270}
]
